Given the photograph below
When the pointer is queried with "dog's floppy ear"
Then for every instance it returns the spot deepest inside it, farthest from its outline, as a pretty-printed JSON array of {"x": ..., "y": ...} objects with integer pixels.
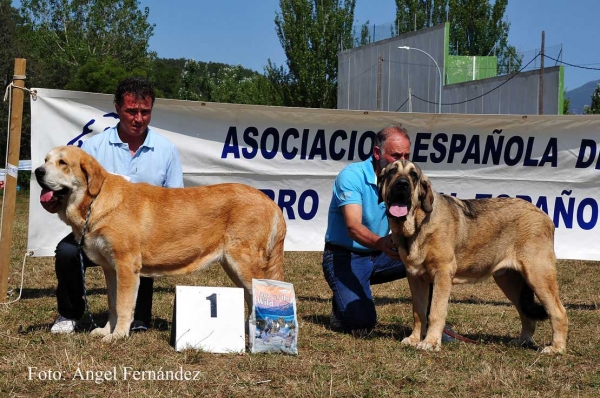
[
  {"x": 94, "y": 174},
  {"x": 381, "y": 186},
  {"x": 426, "y": 194}
]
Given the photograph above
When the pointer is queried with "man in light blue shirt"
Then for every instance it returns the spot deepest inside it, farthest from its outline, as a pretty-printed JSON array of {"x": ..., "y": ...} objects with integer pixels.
[
  {"x": 356, "y": 184},
  {"x": 359, "y": 251},
  {"x": 156, "y": 161},
  {"x": 133, "y": 150}
]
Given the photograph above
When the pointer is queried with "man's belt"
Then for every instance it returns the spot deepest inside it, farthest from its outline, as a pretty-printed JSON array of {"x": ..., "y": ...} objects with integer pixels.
[{"x": 333, "y": 246}]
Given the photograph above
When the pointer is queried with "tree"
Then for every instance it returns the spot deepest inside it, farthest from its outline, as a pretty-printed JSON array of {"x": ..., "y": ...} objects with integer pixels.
[
  {"x": 166, "y": 76},
  {"x": 195, "y": 82},
  {"x": 365, "y": 35},
  {"x": 11, "y": 47},
  {"x": 594, "y": 108},
  {"x": 9, "y": 44},
  {"x": 477, "y": 28},
  {"x": 68, "y": 34},
  {"x": 100, "y": 76},
  {"x": 311, "y": 32},
  {"x": 413, "y": 15},
  {"x": 566, "y": 104},
  {"x": 224, "y": 83}
]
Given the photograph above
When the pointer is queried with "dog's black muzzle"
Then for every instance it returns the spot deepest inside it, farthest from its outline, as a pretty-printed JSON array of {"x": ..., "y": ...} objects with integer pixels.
[
  {"x": 399, "y": 194},
  {"x": 40, "y": 172},
  {"x": 400, "y": 191}
]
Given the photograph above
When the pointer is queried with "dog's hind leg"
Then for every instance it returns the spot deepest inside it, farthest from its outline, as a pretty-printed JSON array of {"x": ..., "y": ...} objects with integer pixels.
[
  {"x": 259, "y": 257},
  {"x": 238, "y": 266},
  {"x": 511, "y": 282},
  {"x": 545, "y": 286},
  {"x": 274, "y": 265}
]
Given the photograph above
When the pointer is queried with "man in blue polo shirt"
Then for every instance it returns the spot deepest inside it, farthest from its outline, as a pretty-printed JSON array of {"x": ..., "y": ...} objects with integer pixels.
[
  {"x": 359, "y": 251},
  {"x": 132, "y": 150}
]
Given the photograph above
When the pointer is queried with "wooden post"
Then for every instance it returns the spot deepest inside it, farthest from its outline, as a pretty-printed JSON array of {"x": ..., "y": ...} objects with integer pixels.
[
  {"x": 10, "y": 188},
  {"x": 542, "y": 52}
]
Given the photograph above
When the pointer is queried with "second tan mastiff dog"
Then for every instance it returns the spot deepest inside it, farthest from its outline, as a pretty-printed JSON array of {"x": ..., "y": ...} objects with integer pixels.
[
  {"x": 445, "y": 240},
  {"x": 140, "y": 229}
]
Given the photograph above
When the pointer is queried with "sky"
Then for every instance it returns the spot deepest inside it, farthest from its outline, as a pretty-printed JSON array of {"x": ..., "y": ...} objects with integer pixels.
[{"x": 242, "y": 32}]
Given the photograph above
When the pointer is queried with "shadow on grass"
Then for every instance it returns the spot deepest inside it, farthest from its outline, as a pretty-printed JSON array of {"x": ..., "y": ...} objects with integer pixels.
[
  {"x": 382, "y": 330},
  {"x": 378, "y": 300},
  {"x": 51, "y": 292},
  {"x": 398, "y": 332},
  {"x": 408, "y": 300},
  {"x": 85, "y": 325}
]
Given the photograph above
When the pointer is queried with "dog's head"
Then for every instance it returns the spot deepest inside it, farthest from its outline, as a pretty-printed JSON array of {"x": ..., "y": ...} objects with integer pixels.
[
  {"x": 68, "y": 170},
  {"x": 405, "y": 190}
]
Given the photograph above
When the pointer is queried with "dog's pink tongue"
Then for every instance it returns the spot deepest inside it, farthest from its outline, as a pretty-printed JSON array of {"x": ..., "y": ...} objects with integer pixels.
[
  {"x": 398, "y": 210},
  {"x": 46, "y": 195}
]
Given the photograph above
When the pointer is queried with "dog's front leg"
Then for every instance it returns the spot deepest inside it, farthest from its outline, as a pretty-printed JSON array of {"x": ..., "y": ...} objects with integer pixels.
[
  {"x": 419, "y": 290},
  {"x": 110, "y": 276},
  {"x": 442, "y": 285},
  {"x": 127, "y": 287}
]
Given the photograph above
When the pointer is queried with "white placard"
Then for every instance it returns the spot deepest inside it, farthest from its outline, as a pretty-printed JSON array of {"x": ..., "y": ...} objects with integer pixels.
[{"x": 209, "y": 318}]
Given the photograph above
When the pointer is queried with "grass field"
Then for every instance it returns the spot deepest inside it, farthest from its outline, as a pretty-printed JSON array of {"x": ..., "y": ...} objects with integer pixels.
[{"x": 328, "y": 364}]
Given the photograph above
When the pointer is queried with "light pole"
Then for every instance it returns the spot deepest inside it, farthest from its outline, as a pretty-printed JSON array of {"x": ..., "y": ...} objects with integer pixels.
[{"x": 438, "y": 68}]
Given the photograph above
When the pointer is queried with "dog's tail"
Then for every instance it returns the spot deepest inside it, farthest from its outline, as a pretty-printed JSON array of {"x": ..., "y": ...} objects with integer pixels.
[
  {"x": 275, "y": 255},
  {"x": 530, "y": 308}
]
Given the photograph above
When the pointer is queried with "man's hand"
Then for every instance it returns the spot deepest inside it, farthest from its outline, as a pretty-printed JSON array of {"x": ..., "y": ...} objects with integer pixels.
[
  {"x": 386, "y": 245},
  {"x": 361, "y": 234}
]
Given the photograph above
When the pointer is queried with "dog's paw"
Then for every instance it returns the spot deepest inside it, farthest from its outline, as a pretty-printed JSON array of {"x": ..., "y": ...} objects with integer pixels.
[
  {"x": 429, "y": 346},
  {"x": 111, "y": 338},
  {"x": 409, "y": 341},
  {"x": 551, "y": 350},
  {"x": 100, "y": 331}
]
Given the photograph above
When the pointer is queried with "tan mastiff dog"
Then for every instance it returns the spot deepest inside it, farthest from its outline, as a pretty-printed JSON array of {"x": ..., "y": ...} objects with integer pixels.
[
  {"x": 140, "y": 229},
  {"x": 445, "y": 240}
]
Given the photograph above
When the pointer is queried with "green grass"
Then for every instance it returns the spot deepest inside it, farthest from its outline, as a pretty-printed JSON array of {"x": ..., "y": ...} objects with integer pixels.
[{"x": 328, "y": 364}]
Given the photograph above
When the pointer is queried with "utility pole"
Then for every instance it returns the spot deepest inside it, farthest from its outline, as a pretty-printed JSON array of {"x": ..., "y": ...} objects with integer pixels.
[
  {"x": 541, "y": 100},
  {"x": 12, "y": 167},
  {"x": 379, "y": 67}
]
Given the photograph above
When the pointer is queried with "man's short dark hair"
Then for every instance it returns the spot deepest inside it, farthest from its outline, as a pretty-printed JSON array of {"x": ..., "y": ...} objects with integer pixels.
[
  {"x": 138, "y": 86},
  {"x": 385, "y": 132}
]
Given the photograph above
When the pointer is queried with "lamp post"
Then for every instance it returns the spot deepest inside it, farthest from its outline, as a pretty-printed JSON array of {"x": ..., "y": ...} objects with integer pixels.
[{"x": 438, "y": 68}]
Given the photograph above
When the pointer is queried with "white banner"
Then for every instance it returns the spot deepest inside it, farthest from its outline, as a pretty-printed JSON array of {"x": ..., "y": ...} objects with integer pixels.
[{"x": 294, "y": 154}]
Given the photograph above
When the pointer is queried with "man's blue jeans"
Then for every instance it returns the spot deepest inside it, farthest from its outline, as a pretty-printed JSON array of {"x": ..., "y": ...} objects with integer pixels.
[{"x": 350, "y": 276}]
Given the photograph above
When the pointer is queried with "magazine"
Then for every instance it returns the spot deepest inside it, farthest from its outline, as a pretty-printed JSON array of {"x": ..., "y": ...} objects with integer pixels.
[{"x": 273, "y": 324}]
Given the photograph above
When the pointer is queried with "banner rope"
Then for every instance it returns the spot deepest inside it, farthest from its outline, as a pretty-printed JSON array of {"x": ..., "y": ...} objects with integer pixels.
[{"x": 22, "y": 278}]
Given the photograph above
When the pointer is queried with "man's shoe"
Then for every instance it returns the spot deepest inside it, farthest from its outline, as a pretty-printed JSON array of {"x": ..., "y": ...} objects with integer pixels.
[
  {"x": 63, "y": 325},
  {"x": 138, "y": 326},
  {"x": 335, "y": 323}
]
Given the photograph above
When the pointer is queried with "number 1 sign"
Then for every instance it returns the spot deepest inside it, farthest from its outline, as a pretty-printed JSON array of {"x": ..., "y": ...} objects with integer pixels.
[{"x": 209, "y": 318}]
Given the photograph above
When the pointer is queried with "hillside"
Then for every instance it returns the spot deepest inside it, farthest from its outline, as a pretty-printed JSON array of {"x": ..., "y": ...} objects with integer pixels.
[{"x": 581, "y": 96}]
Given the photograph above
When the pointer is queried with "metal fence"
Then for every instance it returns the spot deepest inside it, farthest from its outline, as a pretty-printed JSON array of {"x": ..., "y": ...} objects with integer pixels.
[{"x": 554, "y": 53}]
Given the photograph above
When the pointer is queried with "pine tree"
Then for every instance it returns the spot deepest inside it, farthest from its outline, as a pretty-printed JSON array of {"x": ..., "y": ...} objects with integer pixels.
[{"x": 594, "y": 108}]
